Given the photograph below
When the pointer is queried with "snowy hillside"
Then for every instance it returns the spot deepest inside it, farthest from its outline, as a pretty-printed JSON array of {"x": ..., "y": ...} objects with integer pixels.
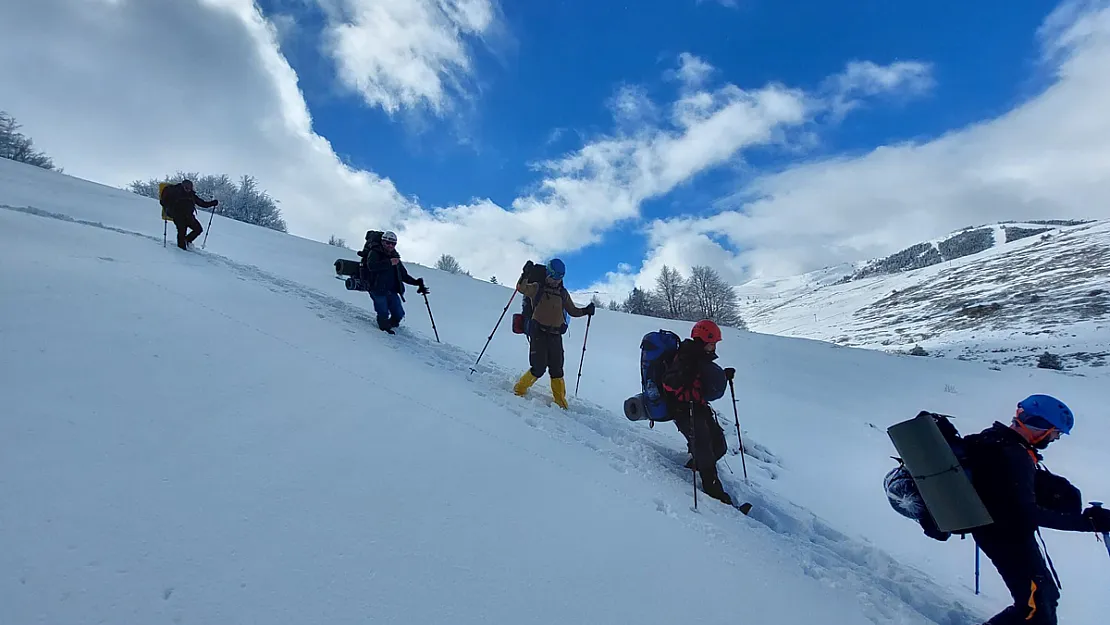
[
  {"x": 223, "y": 436},
  {"x": 1002, "y": 295}
]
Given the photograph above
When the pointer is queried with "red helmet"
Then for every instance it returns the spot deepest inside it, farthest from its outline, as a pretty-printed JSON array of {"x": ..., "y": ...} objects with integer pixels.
[{"x": 707, "y": 331}]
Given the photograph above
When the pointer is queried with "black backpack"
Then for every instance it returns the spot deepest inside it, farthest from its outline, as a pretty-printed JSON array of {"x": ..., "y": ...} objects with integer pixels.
[{"x": 522, "y": 321}]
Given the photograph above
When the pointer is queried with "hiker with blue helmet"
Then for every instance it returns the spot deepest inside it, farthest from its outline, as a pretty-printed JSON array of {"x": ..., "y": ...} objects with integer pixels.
[
  {"x": 1003, "y": 462},
  {"x": 549, "y": 301}
]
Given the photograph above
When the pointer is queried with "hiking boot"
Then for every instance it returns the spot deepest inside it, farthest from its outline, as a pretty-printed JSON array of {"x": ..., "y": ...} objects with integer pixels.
[
  {"x": 717, "y": 491},
  {"x": 559, "y": 392}
]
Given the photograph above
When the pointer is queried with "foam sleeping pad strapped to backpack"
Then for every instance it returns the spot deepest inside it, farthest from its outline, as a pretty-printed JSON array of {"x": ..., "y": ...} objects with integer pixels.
[
  {"x": 657, "y": 350},
  {"x": 931, "y": 450}
]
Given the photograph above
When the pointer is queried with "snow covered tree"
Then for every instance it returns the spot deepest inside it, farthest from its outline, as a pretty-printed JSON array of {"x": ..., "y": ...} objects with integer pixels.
[
  {"x": 336, "y": 241},
  {"x": 614, "y": 305},
  {"x": 596, "y": 301},
  {"x": 17, "y": 147},
  {"x": 711, "y": 297},
  {"x": 242, "y": 202}
]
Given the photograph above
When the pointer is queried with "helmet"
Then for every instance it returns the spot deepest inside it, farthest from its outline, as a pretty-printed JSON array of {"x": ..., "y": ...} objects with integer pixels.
[
  {"x": 390, "y": 236},
  {"x": 707, "y": 331},
  {"x": 1044, "y": 411},
  {"x": 556, "y": 268}
]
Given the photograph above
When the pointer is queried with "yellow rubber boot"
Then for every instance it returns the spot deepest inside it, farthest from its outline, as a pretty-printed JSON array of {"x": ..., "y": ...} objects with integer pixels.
[
  {"x": 559, "y": 390},
  {"x": 524, "y": 383}
]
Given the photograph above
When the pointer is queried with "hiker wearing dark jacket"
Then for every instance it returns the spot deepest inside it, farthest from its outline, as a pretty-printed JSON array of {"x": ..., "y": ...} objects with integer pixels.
[
  {"x": 690, "y": 382},
  {"x": 550, "y": 300},
  {"x": 1002, "y": 462},
  {"x": 180, "y": 202},
  {"x": 386, "y": 277}
]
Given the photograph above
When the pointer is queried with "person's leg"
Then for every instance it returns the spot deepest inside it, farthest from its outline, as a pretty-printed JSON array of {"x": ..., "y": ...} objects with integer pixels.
[
  {"x": 1023, "y": 569},
  {"x": 194, "y": 224},
  {"x": 381, "y": 308},
  {"x": 555, "y": 359},
  {"x": 396, "y": 310},
  {"x": 182, "y": 225}
]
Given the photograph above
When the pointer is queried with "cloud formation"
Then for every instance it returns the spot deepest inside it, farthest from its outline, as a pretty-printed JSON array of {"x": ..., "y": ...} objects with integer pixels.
[
  {"x": 1047, "y": 158},
  {"x": 402, "y": 54}
]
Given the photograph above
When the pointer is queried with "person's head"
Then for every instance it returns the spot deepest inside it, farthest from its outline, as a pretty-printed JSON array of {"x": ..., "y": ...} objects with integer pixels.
[
  {"x": 389, "y": 240},
  {"x": 708, "y": 333},
  {"x": 1042, "y": 419},
  {"x": 187, "y": 185},
  {"x": 556, "y": 269}
]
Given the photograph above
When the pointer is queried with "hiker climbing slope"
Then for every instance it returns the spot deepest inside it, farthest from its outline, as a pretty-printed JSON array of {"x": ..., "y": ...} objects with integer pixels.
[
  {"x": 1002, "y": 461},
  {"x": 690, "y": 382},
  {"x": 545, "y": 327}
]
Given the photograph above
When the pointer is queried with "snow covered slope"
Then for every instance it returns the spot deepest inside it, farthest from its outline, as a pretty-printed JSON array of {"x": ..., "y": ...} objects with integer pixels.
[
  {"x": 1002, "y": 295},
  {"x": 223, "y": 436}
]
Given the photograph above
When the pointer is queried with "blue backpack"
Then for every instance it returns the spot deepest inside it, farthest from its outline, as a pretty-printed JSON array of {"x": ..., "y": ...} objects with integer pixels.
[{"x": 657, "y": 350}]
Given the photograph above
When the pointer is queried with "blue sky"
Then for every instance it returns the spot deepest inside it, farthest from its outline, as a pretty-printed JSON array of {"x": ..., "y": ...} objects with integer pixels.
[
  {"x": 763, "y": 138},
  {"x": 546, "y": 85}
]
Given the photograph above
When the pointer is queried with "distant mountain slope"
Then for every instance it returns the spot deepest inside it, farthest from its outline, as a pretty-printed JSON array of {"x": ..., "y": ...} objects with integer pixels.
[{"x": 1002, "y": 294}]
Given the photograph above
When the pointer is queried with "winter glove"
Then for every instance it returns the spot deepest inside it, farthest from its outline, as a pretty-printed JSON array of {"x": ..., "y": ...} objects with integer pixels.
[
  {"x": 729, "y": 373},
  {"x": 1099, "y": 518},
  {"x": 590, "y": 309}
]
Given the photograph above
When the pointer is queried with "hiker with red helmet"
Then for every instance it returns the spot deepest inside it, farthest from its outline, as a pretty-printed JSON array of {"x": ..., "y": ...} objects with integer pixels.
[{"x": 690, "y": 382}]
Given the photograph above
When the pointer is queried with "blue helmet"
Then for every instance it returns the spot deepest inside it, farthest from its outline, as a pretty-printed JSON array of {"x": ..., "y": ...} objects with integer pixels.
[
  {"x": 556, "y": 269},
  {"x": 1044, "y": 411}
]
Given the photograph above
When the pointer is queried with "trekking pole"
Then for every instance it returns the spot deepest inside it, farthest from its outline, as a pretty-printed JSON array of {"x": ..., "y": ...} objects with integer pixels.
[
  {"x": 694, "y": 445},
  {"x": 211, "y": 214},
  {"x": 1105, "y": 535},
  {"x": 509, "y": 303},
  {"x": 429, "y": 307},
  {"x": 739, "y": 439},
  {"x": 165, "y": 228},
  {"x": 583, "y": 357},
  {"x": 976, "y": 568}
]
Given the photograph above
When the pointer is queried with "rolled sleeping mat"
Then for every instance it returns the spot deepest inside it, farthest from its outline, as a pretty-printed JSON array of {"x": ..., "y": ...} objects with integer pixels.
[
  {"x": 634, "y": 408},
  {"x": 344, "y": 267},
  {"x": 941, "y": 480}
]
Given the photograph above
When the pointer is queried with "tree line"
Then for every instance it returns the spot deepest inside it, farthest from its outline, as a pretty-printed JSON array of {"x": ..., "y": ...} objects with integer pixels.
[{"x": 702, "y": 295}]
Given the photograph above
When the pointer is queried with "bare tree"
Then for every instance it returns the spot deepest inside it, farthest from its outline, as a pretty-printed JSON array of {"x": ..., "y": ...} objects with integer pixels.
[
  {"x": 17, "y": 147},
  {"x": 493, "y": 280},
  {"x": 336, "y": 241},
  {"x": 669, "y": 287},
  {"x": 711, "y": 297},
  {"x": 639, "y": 303},
  {"x": 596, "y": 301},
  {"x": 448, "y": 263}
]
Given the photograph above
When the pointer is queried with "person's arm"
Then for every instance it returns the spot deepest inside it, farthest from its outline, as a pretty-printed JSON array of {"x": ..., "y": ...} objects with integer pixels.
[
  {"x": 528, "y": 289},
  {"x": 1025, "y": 499},
  {"x": 574, "y": 311},
  {"x": 407, "y": 279}
]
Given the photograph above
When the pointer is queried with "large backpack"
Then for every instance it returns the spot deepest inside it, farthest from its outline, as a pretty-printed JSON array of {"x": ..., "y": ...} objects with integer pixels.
[
  {"x": 1051, "y": 491},
  {"x": 522, "y": 321},
  {"x": 657, "y": 350}
]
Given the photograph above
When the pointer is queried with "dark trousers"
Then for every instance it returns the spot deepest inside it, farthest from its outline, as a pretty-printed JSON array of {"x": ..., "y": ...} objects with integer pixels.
[
  {"x": 709, "y": 444},
  {"x": 389, "y": 309},
  {"x": 545, "y": 352},
  {"x": 186, "y": 223},
  {"x": 1023, "y": 569}
]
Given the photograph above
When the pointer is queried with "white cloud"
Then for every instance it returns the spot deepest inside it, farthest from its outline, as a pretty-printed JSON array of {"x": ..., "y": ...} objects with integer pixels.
[
  {"x": 114, "y": 95},
  {"x": 1047, "y": 158},
  {"x": 865, "y": 79},
  {"x": 406, "y": 53}
]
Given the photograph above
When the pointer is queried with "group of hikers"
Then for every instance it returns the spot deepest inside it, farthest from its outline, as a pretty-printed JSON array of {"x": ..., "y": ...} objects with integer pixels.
[{"x": 1002, "y": 460}]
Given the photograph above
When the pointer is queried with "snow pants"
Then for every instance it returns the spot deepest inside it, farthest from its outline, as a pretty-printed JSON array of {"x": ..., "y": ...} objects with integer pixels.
[
  {"x": 1023, "y": 569},
  {"x": 389, "y": 309},
  {"x": 545, "y": 352},
  {"x": 184, "y": 224},
  {"x": 708, "y": 443}
]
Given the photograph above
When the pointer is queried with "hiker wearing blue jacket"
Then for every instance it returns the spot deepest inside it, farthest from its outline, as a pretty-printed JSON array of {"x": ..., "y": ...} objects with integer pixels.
[
  {"x": 386, "y": 276},
  {"x": 1002, "y": 461}
]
